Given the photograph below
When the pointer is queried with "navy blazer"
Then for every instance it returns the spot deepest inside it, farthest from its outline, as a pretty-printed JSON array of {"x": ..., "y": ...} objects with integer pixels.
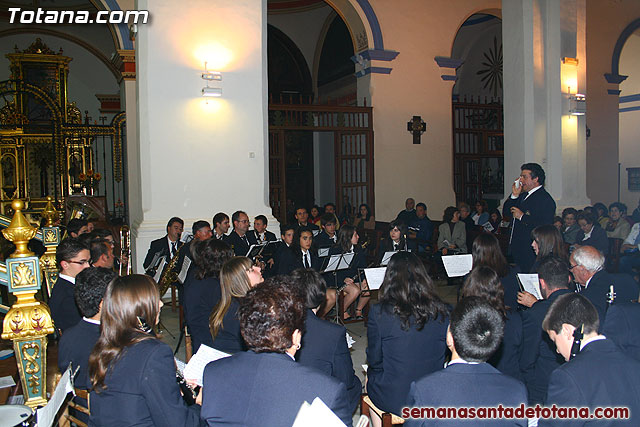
[
  {"x": 539, "y": 209},
  {"x": 240, "y": 248},
  {"x": 324, "y": 347},
  {"x": 598, "y": 239},
  {"x": 229, "y": 338},
  {"x": 397, "y": 357},
  {"x": 599, "y": 376},
  {"x": 292, "y": 259},
  {"x": 511, "y": 287},
  {"x": 622, "y": 326},
  {"x": 141, "y": 390},
  {"x": 466, "y": 385},
  {"x": 322, "y": 240},
  {"x": 200, "y": 298},
  {"x": 625, "y": 287},
  {"x": 506, "y": 359},
  {"x": 539, "y": 357},
  {"x": 62, "y": 303},
  {"x": 160, "y": 246},
  {"x": 268, "y": 236},
  {"x": 266, "y": 389}
]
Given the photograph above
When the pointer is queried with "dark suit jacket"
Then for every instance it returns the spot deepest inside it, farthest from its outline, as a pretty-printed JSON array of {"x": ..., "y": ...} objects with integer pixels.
[
  {"x": 507, "y": 358},
  {"x": 386, "y": 245},
  {"x": 62, "y": 303},
  {"x": 598, "y": 239},
  {"x": 407, "y": 217},
  {"x": 601, "y": 375},
  {"x": 539, "y": 209},
  {"x": 322, "y": 240},
  {"x": 229, "y": 338},
  {"x": 266, "y": 389},
  {"x": 396, "y": 357},
  {"x": 324, "y": 347},
  {"x": 622, "y": 326},
  {"x": 511, "y": 287},
  {"x": 466, "y": 385},
  {"x": 625, "y": 287},
  {"x": 539, "y": 357},
  {"x": 291, "y": 259},
  {"x": 161, "y": 246},
  {"x": 309, "y": 225},
  {"x": 141, "y": 390},
  {"x": 269, "y": 236},
  {"x": 200, "y": 298},
  {"x": 240, "y": 248}
]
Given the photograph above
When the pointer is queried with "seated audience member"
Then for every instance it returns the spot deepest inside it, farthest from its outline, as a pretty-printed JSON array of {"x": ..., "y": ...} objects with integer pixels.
[
  {"x": 600, "y": 374},
  {"x": 570, "y": 227},
  {"x": 481, "y": 215},
  {"x": 452, "y": 236},
  {"x": 327, "y": 237},
  {"x": 239, "y": 239},
  {"x": 468, "y": 380},
  {"x": 618, "y": 227},
  {"x": 396, "y": 241},
  {"x": 237, "y": 276},
  {"x": 265, "y": 386},
  {"x": 324, "y": 344},
  {"x": 406, "y": 332},
  {"x": 547, "y": 240},
  {"x": 558, "y": 223},
  {"x": 364, "y": 219},
  {"x": 347, "y": 279},
  {"x": 76, "y": 344},
  {"x": 486, "y": 251},
  {"x": 631, "y": 252},
  {"x": 465, "y": 215},
  {"x": 483, "y": 282},
  {"x": 539, "y": 357},
  {"x": 101, "y": 252},
  {"x": 300, "y": 253},
  {"x": 302, "y": 219},
  {"x": 622, "y": 326},
  {"x": 315, "y": 215},
  {"x": 71, "y": 257},
  {"x": 76, "y": 227},
  {"x": 408, "y": 214},
  {"x": 132, "y": 373},
  {"x": 330, "y": 208},
  {"x": 495, "y": 219},
  {"x": 421, "y": 229},
  {"x": 591, "y": 234},
  {"x": 587, "y": 266},
  {"x": 260, "y": 231},
  {"x": 202, "y": 288},
  {"x": 221, "y": 225},
  {"x": 600, "y": 214}
]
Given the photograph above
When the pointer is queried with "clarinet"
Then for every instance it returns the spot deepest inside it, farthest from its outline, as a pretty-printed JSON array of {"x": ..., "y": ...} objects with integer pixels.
[{"x": 578, "y": 334}]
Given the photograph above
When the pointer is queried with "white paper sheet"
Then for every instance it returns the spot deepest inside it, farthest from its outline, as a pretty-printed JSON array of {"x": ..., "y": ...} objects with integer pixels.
[
  {"x": 531, "y": 284},
  {"x": 339, "y": 262},
  {"x": 457, "y": 265},
  {"x": 386, "y": 257},
  {"x": 315, "y": 232},
  {"x": 186, "y": 263},
  {"x": 47, "y": 414},
  {"x": 375, "y": 276},
  {"x": 317, "y": 414},
  {"x": 487, "y": 226},
  {"x": 350, "y": 340},
  {"x": 195, "y": 368},
  {"x": 7, "y": 382},
  {"x": 158, "y": 275},
  {"x": 323, "y": 252}
]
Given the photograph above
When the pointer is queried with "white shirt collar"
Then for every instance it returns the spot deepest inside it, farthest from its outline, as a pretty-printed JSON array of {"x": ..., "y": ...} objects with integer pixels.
[
  {"x": 67, "y": 278},
  {"x": 588, "y": 235},
  {"x": 584, "y": 343},
  {"x": 460, "y": 361},
  {"x": 86, "y": 319},
  {"x": 533, "y": 190}
]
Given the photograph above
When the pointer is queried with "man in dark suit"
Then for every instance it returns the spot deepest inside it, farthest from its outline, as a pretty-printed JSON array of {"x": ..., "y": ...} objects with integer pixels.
[
  {"x": 201, "y": 231},
  {"x": 72, "y": 256},
  {"x": 165, "y": 246},
  {"x": 597, "y": 372},
  {"x": 78, "y": 341},
  {"x": 327, "y": 237},
  {"x": 324, "y": 344},
  {"x": 260, "y": 231},
  {"x": 530, "y": 206},
  {"x": 287, "y": 232},
  {"x": 587, "y": 266},
  {"x": 622, "y": 326},
  {"x": 474, "y": 334},
  {"x": 220, "y": 225},
  {"x": 408, "y": 214},
  {"x": 302, "y": 217},
  {"x": 239, "y": 240},
  {"x": 539, "y": 357}
]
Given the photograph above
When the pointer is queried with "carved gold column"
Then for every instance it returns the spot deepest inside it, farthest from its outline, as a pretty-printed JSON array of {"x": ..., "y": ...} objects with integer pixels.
[
  {"x": 28, "y": 321},
  {"x": 50, "y": 239}
]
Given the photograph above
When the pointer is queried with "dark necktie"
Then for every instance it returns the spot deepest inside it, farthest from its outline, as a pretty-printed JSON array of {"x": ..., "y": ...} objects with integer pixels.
[
  {"x": 174, "y": 248},
  {"x": 306, "y": 260},
  {"x": 395, "y": 247}
]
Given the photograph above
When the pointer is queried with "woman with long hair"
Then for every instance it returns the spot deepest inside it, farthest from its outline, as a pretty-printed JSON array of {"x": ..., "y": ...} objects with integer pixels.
[
  {"x": 364, "y": 218},
  {"x": 486, "y": 251},
  {"x": 547, "y": 240},
  {"x": 347, "y": 279},
  {"x": 237, "y": 276},
  {"x": 484, "y": 282},
  {"x": 406, "y": 332},
  {"x": 481, "y": 215},
  {"x": 396, "y": 241},
  {"x": 202, "y": 288},
  {"x": 132, "y": 373},
  {"x": 314, "y": 217}
]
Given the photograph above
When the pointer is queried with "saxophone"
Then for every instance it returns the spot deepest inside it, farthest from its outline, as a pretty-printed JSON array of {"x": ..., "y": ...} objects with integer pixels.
[
  {"x": 169, "y": 274},
  {"x": 125, "y": 251}
]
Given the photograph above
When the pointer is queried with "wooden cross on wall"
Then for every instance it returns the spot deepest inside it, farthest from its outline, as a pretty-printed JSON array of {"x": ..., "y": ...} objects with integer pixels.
[{"x": 416, "y": 126}]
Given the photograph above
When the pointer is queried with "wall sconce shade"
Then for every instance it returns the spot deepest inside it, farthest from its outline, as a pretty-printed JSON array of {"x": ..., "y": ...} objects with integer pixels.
[
  {"x": 577, "y": 104},
  {"x": 216, "y": 78},
  {"x": 212, "y": 91},
  {"x": 212, "y": 75}
]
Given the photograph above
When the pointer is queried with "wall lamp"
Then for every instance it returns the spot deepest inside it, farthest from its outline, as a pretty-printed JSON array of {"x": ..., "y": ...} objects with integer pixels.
[
  {"x": 215, "y": 78},
  {"x": 577, "y": 104}
]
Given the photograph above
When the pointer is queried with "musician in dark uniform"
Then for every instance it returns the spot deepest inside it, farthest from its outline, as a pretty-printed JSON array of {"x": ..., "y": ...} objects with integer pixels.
[
  {"x": 239, "y": 239},
  {"x": 260, "y": 231},
  {"x": 220, "y": 225},
  {"x": 396, "y": 241},
  {"x": 166, "y": 246},
  {"x": 300, "y": 254},
  {"x": 327, "y": 237}
]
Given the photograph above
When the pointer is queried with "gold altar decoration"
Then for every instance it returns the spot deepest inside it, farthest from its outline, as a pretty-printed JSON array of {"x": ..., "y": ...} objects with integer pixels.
[{"x": 50, "y": 239}]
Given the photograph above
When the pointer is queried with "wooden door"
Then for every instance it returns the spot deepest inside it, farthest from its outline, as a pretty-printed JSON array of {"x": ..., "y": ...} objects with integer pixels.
[
  {"x": 354, "y": 169},
  {"x": 277, "y": 176}
]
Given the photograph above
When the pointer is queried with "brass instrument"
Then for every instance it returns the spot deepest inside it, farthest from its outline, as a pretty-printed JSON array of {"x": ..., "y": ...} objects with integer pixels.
[
  {"x": 169, "y": 275},
  {"x": 125, "y": 251}
]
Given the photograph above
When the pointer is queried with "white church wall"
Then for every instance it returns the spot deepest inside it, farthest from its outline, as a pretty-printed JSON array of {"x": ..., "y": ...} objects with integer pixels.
[{"x": 630, "y": 119}]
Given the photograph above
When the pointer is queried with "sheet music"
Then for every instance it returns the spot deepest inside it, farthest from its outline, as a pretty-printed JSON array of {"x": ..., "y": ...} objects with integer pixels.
[
  {"x": 195, "y": 368},
  {"x": 186, "y": 236},
  {"x": 180, "y": 365},
  {"x": 323, "y": 252},
  {"x": 186, "y": 263},
  {"x": 315, "y": 232},
  {"x": 158, "y": 275},
  {"x": 375, "y": 276},
  {"x": 47, "y": 414},
  {"x": 446, "y": 243},
  {"x": 339, "y": 262},
  {"x": 317, "y": 414},
  {"x": 457, "y": 265},
  {"x": 155, "y": 260},
  {"x": 7, "y": 381},
  {"x": 254, "y": 250},
  {"x": 487, "y": 226},
  {"x": 531, "y": 284},
  {"x": 386, "y": 257}
]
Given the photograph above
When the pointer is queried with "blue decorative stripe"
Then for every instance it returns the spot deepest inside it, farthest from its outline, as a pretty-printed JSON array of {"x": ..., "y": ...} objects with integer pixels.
[
  {"x": 479, "y": 20},
  {"x": 379, "y": 55},
  {"x": 373, "y": 24},
  {"x": 615, "y": 79},
  {"x": 613, "y": 92},
  {"x": 617, "y": 50},
  {"x": 448, "y": 62},
  {"x": 373, "y": 70},
  {"x": 630, "y": 98},
  {"x": 449, "y": 78},
  {"x": 622, "y": 110},
  {"x": 124, "y": 30}
]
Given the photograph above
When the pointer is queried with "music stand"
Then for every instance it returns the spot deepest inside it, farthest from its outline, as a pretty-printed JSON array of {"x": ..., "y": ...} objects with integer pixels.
[{"x": 333, "y": 264}]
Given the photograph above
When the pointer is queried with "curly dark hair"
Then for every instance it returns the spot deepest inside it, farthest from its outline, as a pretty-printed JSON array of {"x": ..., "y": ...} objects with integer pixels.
[
  {"x": 209, "y": 255},
  {"x": 91, "y": 284},
  {"x": 269, "y": 315}
]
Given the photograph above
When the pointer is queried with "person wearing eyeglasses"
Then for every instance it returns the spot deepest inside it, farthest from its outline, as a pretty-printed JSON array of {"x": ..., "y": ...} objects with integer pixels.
[
  {"x": 239, "y": 240},
  {"x": 72, "y": 256}
]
